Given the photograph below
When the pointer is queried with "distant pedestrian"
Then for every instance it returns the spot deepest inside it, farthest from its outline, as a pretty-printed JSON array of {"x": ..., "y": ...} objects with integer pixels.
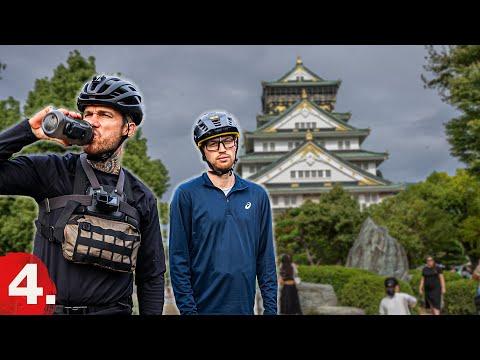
[
  {"x": 476, "y": 276},
  {"x": 396, "y": 302},
  {"x": 289, "y": 300},
  {"x": 432, "y": 285}
]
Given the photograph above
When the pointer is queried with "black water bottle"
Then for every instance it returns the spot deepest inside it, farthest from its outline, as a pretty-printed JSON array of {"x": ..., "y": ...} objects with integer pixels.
[{"x": 74, "y": 131}]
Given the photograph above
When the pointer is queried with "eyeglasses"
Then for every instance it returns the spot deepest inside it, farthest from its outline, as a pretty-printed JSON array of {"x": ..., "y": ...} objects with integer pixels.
[{"x": 214, "y": 144}]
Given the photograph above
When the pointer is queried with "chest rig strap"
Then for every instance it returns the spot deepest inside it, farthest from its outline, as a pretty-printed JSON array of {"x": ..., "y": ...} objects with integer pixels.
[{"x": 84, "y": 175}]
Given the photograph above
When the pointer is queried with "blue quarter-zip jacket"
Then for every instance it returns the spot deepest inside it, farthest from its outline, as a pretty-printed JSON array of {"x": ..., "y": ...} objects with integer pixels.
[{"x": 218, "y": 246}]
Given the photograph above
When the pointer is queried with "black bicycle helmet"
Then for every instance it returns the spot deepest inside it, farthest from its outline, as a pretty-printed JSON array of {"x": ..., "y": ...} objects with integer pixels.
[{"x": 112, "y": 91}]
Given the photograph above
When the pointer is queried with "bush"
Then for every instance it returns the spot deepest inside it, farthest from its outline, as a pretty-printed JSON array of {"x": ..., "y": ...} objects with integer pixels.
[
  {"x": 366, "y": 291},
  {"x": 415, "y": 280},
  {"x": 335, "y": 275},
  {"x": 459, "y": 298},
  {"x": 353, "y": 287}
]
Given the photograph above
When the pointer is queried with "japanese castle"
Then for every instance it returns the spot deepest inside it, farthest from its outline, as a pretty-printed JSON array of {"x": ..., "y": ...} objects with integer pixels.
[{"x": 302, "y": 147}]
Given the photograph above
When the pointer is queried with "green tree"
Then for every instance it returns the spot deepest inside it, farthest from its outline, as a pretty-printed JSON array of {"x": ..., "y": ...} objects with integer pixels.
[
  {"x": 16, "y": 213},
  {"x": 163, "y": 210},
  {"x": 320, "y": 233},
  {"x": 434, "y": 217},
  {"x": 456, "y": 76},
  {"x": 9, "y": 112},
  {"x": 60, "y": 90}
]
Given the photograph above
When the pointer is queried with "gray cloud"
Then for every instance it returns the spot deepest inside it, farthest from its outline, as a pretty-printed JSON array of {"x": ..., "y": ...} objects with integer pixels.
[{"x": 381, "y": 86}]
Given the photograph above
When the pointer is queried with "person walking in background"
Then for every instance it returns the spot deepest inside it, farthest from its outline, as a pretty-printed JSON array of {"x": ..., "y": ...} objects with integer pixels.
[
  {"x": 396, "y": 302},
  {"x": 476, "y": 276},
  {"x": 432, "y": 284},
  {"x": 289, "y": 301}
]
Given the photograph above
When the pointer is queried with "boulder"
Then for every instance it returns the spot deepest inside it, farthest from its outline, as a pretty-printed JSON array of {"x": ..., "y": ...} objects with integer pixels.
[
  {"x": 338, "y": 310},
  {"x": 375, "y": 250},
  {"x": 314, "y": 296}
]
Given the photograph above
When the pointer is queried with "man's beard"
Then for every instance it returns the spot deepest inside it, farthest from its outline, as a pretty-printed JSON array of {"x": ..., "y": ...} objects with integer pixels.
[
  {"x": 223, "y": 165},
  {"x": 102, "y": 145},
  {"x": 220, "y": 168}
]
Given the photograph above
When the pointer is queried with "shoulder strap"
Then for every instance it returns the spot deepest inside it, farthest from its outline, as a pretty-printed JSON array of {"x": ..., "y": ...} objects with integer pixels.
[
  {"x": 84, "y": 174},
  {"x": 80, "y": 181},
  {"x": 89, "y": 172},
  {"x": 120, "y": 182},
  {"x": 63, "y": 219}
]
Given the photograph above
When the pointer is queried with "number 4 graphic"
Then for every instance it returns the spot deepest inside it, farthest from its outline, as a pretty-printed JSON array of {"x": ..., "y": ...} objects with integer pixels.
[{"x": 31, "y": 291}]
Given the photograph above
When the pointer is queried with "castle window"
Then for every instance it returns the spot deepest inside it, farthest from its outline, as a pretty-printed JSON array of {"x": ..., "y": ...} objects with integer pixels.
[
  {"x": 265, "y": 146},
  {"x": 320, "y": 173},
  {"x": 293, "y": 200},
  {"x": 292, "y": 174},
  {"x": 307, "y": 173},
  {"x": 328, "y": 173},
  {"x": 290, "y": 145},
  {"x": 287, "y": 200},
  {"x": 272, "y": 146},
  {"x": 297, "y": 125},
  {"x": 347, "y": 144},
  {"x": 340, "y": 145},
  {"x": 300, "y": 173},
  {"x": 275, "y": 200}
]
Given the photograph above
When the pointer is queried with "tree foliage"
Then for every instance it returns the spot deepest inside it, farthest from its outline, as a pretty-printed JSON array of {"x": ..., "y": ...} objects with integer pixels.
[
  {"x": 438, "y": 216},
  {"x": 456, "y": 77},
  {"x": 320, "y": 233}
]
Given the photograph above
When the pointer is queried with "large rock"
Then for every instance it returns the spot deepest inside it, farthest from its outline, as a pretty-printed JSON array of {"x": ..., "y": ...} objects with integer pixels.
[
  {"x": 375, "y": 250},
  {"x": 314, "y": 296}
]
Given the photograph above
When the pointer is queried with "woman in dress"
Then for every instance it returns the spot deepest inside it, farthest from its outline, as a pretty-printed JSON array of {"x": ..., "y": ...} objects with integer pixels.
[
  {"x": 289, "y": 301},
  {"x": 433, "y": 285}
]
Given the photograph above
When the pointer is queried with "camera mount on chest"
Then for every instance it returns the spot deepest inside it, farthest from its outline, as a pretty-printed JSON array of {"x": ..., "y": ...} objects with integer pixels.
[{"x": 106, "y": 200}]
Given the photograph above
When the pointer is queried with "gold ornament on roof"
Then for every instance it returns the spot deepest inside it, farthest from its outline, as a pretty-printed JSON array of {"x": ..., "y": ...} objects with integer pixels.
[
  {"x": 304, "y": 94},
  {"x": 309, "y": 136},
  {"x": 299, "y": 60}
]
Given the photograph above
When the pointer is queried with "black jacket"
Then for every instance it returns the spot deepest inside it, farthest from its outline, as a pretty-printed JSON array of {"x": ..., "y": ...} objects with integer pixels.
[{"x": 47, "y": 176}]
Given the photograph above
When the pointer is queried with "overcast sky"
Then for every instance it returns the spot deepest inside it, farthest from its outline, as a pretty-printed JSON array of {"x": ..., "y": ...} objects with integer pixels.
[{"x": 381, "y": 86}]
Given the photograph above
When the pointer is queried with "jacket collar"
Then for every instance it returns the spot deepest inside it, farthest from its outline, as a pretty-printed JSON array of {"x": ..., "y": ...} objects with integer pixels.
[{"x": 240, "y": 184}]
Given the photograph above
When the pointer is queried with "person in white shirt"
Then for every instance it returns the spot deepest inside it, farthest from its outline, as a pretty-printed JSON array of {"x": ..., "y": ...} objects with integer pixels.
[{"x": 396, "y": 302}]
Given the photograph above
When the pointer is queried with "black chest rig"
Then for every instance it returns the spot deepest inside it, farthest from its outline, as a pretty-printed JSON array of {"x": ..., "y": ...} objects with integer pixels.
[{"x": 95, "y": 225}]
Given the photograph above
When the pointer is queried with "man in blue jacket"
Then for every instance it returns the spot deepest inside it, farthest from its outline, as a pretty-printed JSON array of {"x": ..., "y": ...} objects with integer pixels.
[{"x": 221, "y": 231}]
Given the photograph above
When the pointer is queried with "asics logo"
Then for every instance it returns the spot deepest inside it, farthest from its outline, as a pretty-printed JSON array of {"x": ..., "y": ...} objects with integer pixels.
[{"x": 248, "y": 205}]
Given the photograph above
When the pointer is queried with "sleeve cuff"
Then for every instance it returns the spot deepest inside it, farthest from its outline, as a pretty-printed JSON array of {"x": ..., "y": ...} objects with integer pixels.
[{"x": 27, "y": 129}]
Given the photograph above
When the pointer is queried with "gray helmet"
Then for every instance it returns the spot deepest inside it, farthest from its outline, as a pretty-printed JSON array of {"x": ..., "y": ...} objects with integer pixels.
[{"x": 212, "y": 124}]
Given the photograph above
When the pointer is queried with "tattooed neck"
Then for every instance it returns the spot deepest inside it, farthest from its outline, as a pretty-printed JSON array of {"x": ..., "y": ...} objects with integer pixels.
[{"x": 110, "y": 166}]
